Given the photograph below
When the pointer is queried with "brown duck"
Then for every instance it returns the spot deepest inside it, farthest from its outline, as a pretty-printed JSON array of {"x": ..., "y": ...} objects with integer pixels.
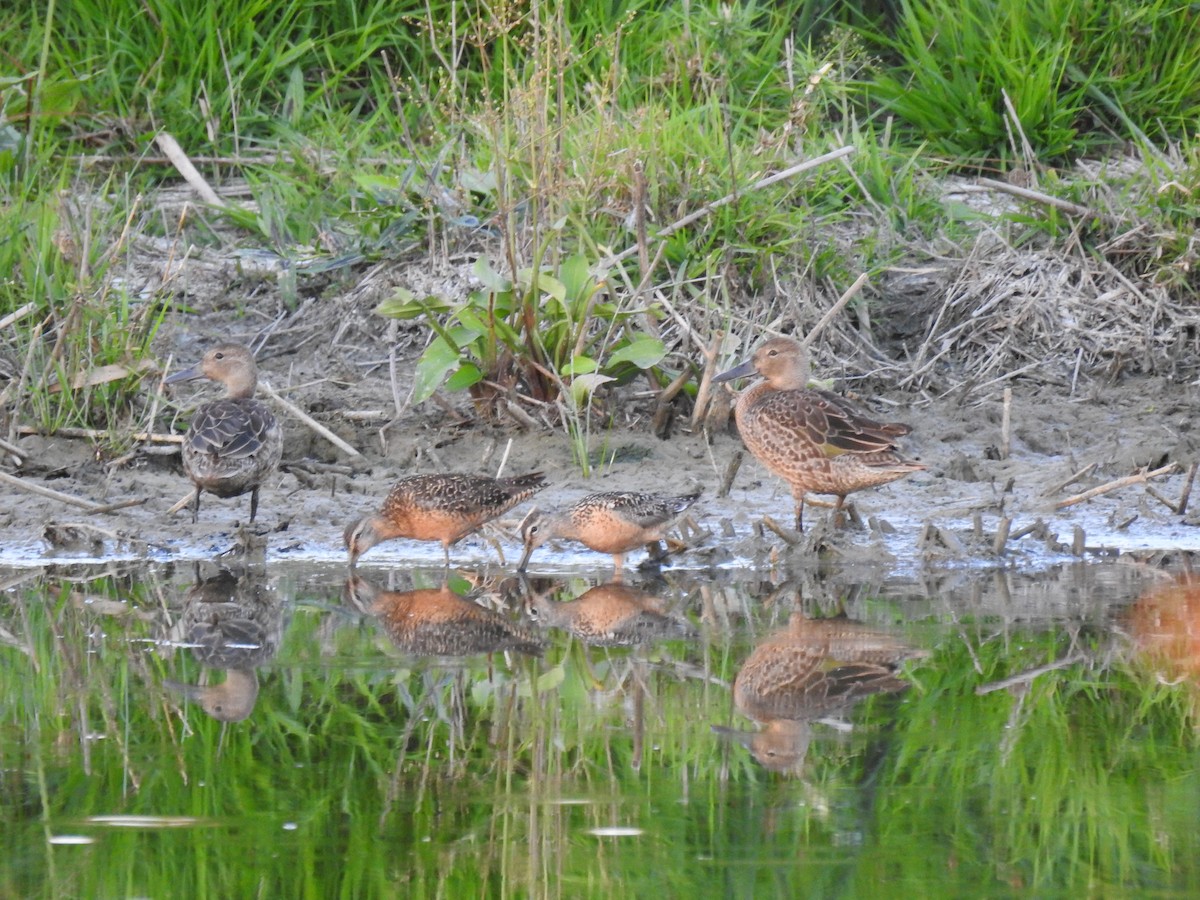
[
  {"x": 814, "y": 440},
  {"x": 443, "y": 508},
  {"x": 233, "y": 444},
  {"x": 608, "y": 522}
]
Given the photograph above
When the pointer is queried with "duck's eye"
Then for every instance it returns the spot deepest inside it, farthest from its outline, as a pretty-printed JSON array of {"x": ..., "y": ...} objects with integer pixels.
[
  {"x": 772, "y": 353},
  {"x": 534, "y": 529},
  {"x": 218, "y": 356}
]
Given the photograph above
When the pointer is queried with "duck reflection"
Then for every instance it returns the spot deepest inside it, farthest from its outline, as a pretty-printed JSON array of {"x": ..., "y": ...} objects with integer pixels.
[
  {"x": 811, "y": 669},
  {"x": 438, "y": 621},
  {"x": 609, "y": 615},
  {"x": 1164, "y": 625},
  {"x": 231, "y": 622}
]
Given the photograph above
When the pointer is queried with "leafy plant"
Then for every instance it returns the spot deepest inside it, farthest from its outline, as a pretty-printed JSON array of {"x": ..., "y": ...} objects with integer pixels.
[{"x": 547, "y": 334}]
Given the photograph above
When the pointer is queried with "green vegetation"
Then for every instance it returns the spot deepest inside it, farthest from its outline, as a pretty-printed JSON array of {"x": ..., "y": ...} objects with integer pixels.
[
  {"x": 366, "y": 772},
  {"x": 553, "y": 143}
]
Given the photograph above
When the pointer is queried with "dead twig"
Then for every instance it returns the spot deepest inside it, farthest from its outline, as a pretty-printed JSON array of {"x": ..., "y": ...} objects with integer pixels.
[
  {"x": 1078, "y": 476},
  {"x": 170, "y": 147},
  {"x": 95, "y": 434},
  {"x": 1038, "y": 197},
  {"x": 704, "y": 391},
  {"x": 1186, "y": 494},
  {"x": 69, "y": 499},
  {"x": 1139, "y": 478},
  {"x": 849, "y": 295},
  {"x": 1029, "y": 674},
  {"x": 708, "y": 208},
  {"x": 731, "y": 473},
  {"x": 308, "y": 420}
]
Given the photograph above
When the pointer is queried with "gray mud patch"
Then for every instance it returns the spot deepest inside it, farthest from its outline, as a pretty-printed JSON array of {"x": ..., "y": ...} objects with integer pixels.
[{"x": 947, "y": 516}]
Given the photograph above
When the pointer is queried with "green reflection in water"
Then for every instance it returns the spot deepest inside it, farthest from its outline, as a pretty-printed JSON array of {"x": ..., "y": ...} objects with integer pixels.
[{"x": 363, "y": 770}]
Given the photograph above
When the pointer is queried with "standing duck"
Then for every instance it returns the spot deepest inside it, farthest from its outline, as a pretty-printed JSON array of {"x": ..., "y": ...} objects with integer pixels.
[
  {"x": 814, "y": 440},
  {"x": 233, "y": 443}
]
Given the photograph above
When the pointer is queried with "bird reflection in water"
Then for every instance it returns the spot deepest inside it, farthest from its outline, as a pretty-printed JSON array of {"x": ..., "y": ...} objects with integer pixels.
[
  {"x": 609, "y": 615},
  {"x": 232, "y": 622},
  {"x": 438, "y": 621},
  {"x": 809, "y": 670},
  {"x": 1164, "y": 626}
]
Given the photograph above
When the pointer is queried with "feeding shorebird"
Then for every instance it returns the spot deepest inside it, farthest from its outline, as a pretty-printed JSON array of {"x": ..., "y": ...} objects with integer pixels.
[
  {"x": 232, "y": 444},
  {"x": 816, "y": 441},
  {"x": 443, "y": 508},
  {"x": 608, "y": 522}
]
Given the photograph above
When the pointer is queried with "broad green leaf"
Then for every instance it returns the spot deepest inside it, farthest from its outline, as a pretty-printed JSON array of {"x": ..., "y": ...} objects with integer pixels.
[
  {"x": 492, "y": 280},
  {"x": 405, "y": 305},
  {"x": 643, "y": 352},
  {"x": 467, "y": 375},
  {"x": 382, "y": 188},
  {"x": 546, "y": 283},
  {"x": 577, "y": 277},
  {"x": 580, "y": 365},
  {"x": 583, "y": 386},
  {"x": 437, "y": 360}
]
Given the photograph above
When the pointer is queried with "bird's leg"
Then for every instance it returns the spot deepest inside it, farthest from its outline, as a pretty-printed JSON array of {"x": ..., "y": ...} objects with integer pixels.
[
  {"x": 839, "y": 516},
  {"x": 800, "y": 513},
  {"x": 446, "y": 553},
  {"x": 618, "y": 563},
  {"x": 253, "y": 503},
  {"x": 196, "y": 505}
]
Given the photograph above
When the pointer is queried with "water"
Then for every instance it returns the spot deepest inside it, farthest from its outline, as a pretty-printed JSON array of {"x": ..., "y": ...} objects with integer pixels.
[{"x": 279, "y": 732}]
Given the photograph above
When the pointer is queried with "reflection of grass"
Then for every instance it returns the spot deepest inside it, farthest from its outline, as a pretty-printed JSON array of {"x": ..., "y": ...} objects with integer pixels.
[{"x": 407, "y": 777}]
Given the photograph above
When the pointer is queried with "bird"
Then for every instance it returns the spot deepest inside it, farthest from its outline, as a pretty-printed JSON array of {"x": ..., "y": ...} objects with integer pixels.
[
  {"x": 442, "y": 508},
  {"x": 607, "y": 522},
  {"x": 438, "y": 621},
  {"x": 816, "y": 441},
  {"x": 232, "y": 444},
  {"x": 810, "y": 669},
  {"x": 609, "y": 615}
]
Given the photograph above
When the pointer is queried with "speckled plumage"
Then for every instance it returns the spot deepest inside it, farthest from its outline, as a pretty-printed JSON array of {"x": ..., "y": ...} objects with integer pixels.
[
  {"x": 443, "y": 508},
  {"x": 438, "y": 622},
  {"x": 815, "y": 440},
  {"x": 812, "y": 668},
  {"x": 610, "y": 615},
  {"x": 608, "y": 522},
  {"x": 233, "y": 444}
]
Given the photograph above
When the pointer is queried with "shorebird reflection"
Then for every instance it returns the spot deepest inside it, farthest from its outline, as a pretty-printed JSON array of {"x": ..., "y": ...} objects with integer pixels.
[
  {"x": 437, "y": 621},
  {"x": 810, "y": 669}
]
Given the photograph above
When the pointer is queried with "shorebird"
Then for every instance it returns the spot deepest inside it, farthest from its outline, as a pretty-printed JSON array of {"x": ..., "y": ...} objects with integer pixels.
[
  {"x": 443, "y": 508},
  {"x": 814, "y": 440},
  {"x": 608, "y": 522},
  {"x": 232, "y": 444}
]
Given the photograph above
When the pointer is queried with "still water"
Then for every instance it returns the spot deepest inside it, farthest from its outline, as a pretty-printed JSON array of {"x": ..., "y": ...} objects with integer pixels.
[{"x": 278, "y": 730}]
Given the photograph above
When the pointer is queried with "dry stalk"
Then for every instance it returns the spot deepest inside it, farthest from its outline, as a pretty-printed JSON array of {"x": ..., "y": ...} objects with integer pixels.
[
  {"x": 1139, "y": 478},
  {"x": 709, "y": 208},
  {"x": 308, "y": 420},
  {"x": 69, "y": 499}
]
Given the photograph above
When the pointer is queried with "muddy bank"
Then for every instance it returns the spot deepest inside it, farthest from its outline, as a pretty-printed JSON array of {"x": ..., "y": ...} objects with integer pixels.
[{"x": 949, "y": 514}]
